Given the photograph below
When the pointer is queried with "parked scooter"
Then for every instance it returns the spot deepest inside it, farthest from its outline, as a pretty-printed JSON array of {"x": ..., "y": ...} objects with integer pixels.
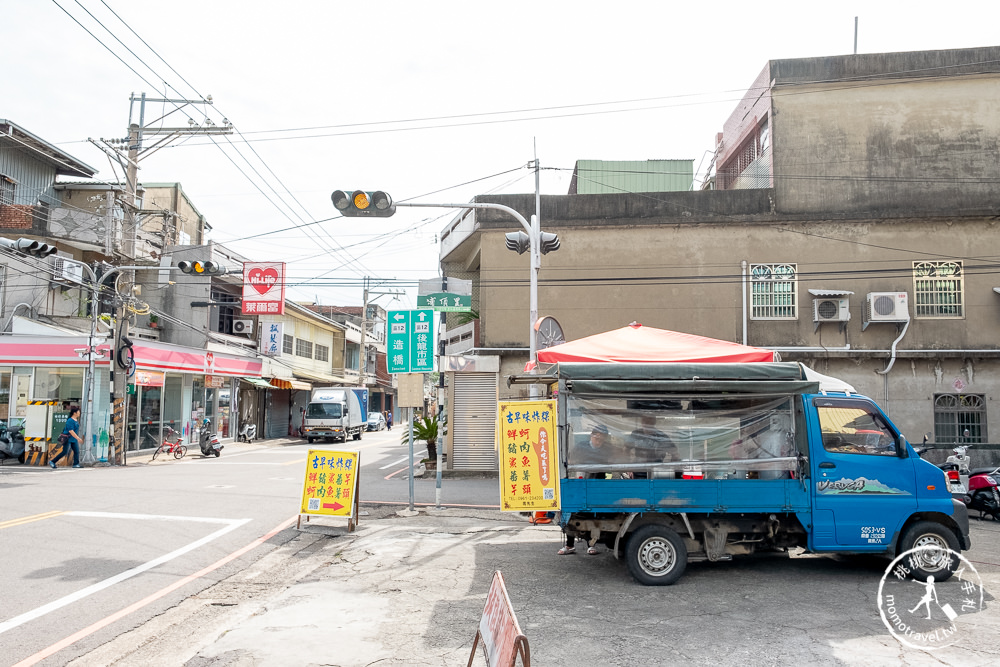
[
  {"x": 248, "y": 433},
  {"x": 11, "y": 443},
  {"x": 983, "y": 495},
  {"x": 977, "y": 489},
  {"x": 208, "y": 442}
]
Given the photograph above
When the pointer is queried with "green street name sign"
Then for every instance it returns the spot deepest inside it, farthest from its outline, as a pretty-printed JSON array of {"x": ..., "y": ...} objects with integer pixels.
[
  {"x": 446, "y": 302},
  {"x": 411, "y": 341}
]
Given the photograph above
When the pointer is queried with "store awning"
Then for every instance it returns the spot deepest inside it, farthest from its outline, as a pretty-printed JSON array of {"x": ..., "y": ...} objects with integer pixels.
[
  {"x": 278, "y": 383},
  {"x": 264, "y": 384},
  {"x": 315, "y": 377},
  {"x": 301, "y": 386}
]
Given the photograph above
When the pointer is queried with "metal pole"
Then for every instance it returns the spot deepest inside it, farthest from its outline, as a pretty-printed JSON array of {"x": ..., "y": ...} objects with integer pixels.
[
  {"x": 437, "y": 476},
  {"x": 855, "y": 35},
  {"x": 411, "y": 458},
  {"x": 88, "y": 454}
]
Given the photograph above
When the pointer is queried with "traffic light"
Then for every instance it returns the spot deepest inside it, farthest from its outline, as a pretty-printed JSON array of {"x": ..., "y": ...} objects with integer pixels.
[
  {"x": 199, "y": 268},
  {"x": 519, "y": 242},
  {"x": 361, "y": 204},
  {"x": 548, "y": 242},
  {"x": 29, "y": 247}
]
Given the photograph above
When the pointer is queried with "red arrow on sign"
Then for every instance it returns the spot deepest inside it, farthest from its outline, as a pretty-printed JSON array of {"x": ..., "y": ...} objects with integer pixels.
[{"x": 332, "y": 506}]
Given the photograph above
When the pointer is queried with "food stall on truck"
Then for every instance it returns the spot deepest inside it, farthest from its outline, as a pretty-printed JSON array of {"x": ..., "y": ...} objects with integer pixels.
[{"x": 709, "y": 461}]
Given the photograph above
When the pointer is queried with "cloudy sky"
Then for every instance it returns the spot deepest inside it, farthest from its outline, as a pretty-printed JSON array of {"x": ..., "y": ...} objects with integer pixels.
[{"x": 432, "y": 102}]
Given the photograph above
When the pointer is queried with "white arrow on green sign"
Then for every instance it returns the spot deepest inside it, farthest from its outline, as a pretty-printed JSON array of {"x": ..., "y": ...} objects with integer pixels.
[{"x": 410, "y": 344}]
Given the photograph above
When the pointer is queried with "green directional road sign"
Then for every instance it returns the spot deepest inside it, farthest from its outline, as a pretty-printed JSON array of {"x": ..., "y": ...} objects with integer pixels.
[
  {"x": 446, "y": 302},
  {"x": 411, "y": 341}
]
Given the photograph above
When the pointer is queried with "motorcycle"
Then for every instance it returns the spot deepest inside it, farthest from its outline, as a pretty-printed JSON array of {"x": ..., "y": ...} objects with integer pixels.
[
  {"x": 208, "y": 442},
  {"x": 977, "y": 489},
  {"x": 248, "y": 433},
  {"x": 11, "y": 443},
  {"x": 983, "y": 495}
]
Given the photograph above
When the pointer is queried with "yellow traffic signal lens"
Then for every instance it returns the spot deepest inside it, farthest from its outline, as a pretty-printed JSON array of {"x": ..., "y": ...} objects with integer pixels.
[
  {"x": 198, "y": 267},
  {"x": 361, "y": 200}
]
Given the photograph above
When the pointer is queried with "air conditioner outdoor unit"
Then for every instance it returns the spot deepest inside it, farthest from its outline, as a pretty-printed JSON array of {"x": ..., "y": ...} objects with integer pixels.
[
  {"x": 886, "y": 307},
  {"x": 66, "y": 271},
  {"x": 831, "y": 310},
  {"x": 243, "y": 326}
]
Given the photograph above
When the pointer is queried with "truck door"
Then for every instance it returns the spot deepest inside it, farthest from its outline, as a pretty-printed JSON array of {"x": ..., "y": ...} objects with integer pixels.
[{"x": 863, "y": 491}]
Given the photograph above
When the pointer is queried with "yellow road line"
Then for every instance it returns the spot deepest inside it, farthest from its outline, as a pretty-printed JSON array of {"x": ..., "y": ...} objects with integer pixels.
[
  {"x": 28, "y": 519},
  {"x": 288, "y": 463}
]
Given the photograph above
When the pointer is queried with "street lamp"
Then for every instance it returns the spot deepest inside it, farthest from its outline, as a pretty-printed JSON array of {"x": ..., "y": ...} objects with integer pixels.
[{"x": 378, "y": 203}]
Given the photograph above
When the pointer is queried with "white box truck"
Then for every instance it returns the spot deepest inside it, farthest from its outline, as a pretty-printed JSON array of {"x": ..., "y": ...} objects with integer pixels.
[{"x": 336, "y": 413}]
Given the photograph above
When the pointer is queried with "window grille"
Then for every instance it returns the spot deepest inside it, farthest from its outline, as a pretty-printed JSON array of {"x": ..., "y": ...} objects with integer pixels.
[
  {"x": 939, "y": 289},
  {"x": 286, "y": 346},
  {"x": 774, "y": 288},
  {"x": 954, "y": 414},
  {"x": 322, "y": 353},
  {"x": 6, "y": 190},
  {"x": 303, "y": 348}
]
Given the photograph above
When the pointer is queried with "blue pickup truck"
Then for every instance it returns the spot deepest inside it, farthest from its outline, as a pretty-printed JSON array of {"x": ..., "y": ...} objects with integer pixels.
[{"x": 668, "y": 464}]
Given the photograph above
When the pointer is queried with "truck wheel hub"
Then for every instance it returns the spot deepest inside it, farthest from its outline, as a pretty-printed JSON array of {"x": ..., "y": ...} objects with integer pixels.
[{"x": 656, "y": 556}]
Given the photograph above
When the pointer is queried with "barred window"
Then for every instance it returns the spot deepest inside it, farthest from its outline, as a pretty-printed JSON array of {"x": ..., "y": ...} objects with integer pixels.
[
  {"x": 286, "y": 346},
  {"x": 6, "y": 190},
  {"x": 303, "y": 348},
  {"x": 954, "y": 414},
  {"x": 322, "y": 353},
  {"x": 774, "y": 288},
  {"x": 939, "y": 289}
]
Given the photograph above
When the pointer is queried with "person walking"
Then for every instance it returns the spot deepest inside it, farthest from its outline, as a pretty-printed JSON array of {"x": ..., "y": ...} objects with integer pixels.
[
  {"x": 388, "y": 419},
  {"x": 69, "y": 439}
]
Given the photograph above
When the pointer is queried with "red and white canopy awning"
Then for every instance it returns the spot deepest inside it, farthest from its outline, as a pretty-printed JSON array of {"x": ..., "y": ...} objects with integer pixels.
[{"x": 62, "y": 351}]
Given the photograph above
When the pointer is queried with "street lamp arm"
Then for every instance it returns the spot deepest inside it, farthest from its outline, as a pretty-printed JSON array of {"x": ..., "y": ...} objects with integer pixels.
[{"x": 497, "y": 207}]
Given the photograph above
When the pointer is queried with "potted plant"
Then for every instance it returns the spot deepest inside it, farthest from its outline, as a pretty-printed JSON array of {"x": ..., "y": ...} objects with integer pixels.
[
  {"x": 425, "y": 429},
  {"x": 154, "y": 321}
]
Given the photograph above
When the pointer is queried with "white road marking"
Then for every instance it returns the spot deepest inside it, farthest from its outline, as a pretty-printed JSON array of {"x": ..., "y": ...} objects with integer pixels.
[
  {"x": 404, "y": 459},
  {"x": 229, "y": 526}
]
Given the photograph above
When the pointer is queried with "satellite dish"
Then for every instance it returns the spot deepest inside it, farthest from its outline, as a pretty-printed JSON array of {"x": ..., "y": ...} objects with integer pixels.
[{"x": 548, "y": 333}]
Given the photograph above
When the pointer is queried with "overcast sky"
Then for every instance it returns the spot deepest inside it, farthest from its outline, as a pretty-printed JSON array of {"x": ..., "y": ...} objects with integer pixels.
[{"x": 414, "y": 99}]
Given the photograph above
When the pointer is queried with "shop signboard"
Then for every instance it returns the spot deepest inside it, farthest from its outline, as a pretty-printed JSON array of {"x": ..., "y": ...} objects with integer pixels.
[
  {"x": 331, "y": 483},
  {"x": 149, "y": 378},
  {"x": 271, "y": 339},
  {"x": 263, "y": 288},
  {"x": 215, "y": 381},
  {"x": 529, "y": 456}
]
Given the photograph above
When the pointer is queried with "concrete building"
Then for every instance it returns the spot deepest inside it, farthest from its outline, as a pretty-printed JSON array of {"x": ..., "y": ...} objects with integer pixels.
[{"x": 853, "y": 227}]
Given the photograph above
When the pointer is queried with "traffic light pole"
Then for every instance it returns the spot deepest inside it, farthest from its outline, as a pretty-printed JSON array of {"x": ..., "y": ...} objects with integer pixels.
[{"x": 533, "y": 230}]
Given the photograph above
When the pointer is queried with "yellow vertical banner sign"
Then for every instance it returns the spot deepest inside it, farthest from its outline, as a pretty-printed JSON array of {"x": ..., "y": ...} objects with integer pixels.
[
  {"x": 331, "y": 483},
  {"x": 529, "y": 456}
]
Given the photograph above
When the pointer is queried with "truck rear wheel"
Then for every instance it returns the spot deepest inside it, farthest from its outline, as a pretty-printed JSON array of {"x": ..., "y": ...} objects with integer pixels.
[
  {"x": 933, "y": 559},
  {"x": 656, "y": 555}
]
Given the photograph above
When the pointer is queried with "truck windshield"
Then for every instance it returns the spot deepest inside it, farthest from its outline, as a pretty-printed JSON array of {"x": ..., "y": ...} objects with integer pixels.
[
  {"x": 324, "y": 411},
  {"x": 711, "y": 437}
]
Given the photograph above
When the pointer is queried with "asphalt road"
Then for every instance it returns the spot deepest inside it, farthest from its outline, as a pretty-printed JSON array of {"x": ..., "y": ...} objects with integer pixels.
[{"x": 86, "y": 555}]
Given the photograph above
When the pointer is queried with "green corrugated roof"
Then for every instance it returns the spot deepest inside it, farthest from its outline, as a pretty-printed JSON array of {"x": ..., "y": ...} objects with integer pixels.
[{"x": 591, "y": 177}]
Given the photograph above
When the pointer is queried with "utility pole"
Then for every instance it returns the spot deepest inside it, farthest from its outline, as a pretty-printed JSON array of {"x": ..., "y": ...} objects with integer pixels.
[{"x": 132, "y": 205}]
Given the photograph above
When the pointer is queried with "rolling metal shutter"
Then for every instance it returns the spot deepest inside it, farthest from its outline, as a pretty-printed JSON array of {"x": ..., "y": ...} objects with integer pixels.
[{"x": 474, "y": 421}]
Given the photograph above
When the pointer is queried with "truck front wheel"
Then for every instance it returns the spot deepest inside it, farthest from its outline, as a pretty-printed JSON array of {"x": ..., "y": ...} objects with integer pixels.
[
  {"x": 933, "y": 559},
  {"x": 656, "y": 555}
]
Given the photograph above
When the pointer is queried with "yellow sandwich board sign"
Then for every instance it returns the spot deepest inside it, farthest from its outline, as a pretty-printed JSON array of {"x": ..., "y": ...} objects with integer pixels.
[
  {"x": 330, "y": 487},
  {"x": 529, "y": 456}
]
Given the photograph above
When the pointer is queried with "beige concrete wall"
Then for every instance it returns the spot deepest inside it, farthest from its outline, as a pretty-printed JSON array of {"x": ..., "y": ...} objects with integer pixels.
[
  {"x": 887, "y": 145},
  {"x": 689, "y": 280}
]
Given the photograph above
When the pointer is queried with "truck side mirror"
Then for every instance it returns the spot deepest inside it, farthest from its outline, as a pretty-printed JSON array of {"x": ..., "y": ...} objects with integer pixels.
[{"x": 901, "y": 449}]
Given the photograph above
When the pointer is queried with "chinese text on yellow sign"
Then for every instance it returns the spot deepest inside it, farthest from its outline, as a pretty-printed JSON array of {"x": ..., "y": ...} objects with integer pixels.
[
  {"x": 330, "y": 483},
  {"x": 529, "y": 456}
]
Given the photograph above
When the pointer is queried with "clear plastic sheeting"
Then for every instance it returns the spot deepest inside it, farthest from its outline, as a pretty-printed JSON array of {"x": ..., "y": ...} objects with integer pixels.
[{"x": 697, "y": 437}]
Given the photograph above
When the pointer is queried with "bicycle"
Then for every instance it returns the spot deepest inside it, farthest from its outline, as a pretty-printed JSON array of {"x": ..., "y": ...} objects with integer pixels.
[{"x": 175, "y": 448}]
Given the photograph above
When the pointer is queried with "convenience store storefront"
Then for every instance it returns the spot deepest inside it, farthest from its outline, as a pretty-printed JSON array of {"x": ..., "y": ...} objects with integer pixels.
[{"x": 173, "y": 387}]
